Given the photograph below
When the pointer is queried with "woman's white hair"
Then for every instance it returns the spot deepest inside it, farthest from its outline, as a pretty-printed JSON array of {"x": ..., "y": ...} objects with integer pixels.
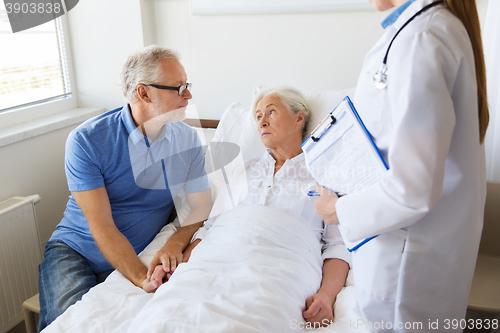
[
  {"x": 144, "y": 66},
  {"x": 291, "y": 97}
]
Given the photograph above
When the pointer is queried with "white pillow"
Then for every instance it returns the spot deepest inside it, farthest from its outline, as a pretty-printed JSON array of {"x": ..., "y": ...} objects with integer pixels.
[
  {"x": 322, "y": 103},
  {"x": 238, "y": 126}
]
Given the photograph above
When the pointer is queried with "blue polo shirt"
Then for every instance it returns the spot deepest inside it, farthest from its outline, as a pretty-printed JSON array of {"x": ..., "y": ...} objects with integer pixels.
[{"x": 141, "y": 178}]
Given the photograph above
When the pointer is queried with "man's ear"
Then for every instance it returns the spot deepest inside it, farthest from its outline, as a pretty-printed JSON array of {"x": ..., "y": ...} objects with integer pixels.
[{"x": 142, "y": 93}]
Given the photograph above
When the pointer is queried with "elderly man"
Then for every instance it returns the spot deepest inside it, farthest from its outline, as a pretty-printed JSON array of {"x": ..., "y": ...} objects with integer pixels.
[{"x": 124, "y": 170}]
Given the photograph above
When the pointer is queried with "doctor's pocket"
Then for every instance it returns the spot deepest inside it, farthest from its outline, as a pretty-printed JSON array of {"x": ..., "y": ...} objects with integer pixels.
[{"x": 376, "y": 267}]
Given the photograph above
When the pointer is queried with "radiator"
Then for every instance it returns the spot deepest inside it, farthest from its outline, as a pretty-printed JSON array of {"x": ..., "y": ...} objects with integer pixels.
[{"x": 20, "y": 254}]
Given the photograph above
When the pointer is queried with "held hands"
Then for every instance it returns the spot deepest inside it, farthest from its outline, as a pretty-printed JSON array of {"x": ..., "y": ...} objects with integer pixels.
[
  {"x": 151, "y": 284},
  {"x": 167, "y": 259},
  {"x": 158, "y": 277},
  {"x": 319, "y": 309},
  {"x": 325, "y": 205},
  {"x": 159, "y": 274}
]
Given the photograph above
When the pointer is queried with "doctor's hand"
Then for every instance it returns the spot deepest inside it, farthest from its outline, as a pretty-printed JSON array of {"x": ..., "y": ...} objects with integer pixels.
[
  {"x": 319, "y": 309},
  {"x": 169, "y": 256},
  {"x": 325, "y": 205}
]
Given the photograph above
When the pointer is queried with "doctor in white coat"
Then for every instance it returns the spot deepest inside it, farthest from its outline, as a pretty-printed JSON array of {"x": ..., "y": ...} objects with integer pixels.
[{"x": 426, "y": 108}]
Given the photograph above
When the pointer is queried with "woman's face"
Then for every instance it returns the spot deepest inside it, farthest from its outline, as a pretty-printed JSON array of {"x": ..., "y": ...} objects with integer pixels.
[
  {"x": 382, "y": 5},
  {"x": 277, "y": 126}
]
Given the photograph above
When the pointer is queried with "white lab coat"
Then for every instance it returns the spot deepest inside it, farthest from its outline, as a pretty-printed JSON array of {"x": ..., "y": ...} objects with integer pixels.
[{"x": 428, "y": 208}]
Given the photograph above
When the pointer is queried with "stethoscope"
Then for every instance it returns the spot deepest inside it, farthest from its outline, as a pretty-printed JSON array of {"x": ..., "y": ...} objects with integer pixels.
[{"x": 380, "y": 77}]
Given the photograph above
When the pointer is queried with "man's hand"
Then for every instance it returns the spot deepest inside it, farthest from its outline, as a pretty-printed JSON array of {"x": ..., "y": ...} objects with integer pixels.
[
  {"x": 169, "y": 256},
  {"x": 160, "y": 275},
  {"x": 325, "y": 205},
  {"x": 319, "y": 309}
]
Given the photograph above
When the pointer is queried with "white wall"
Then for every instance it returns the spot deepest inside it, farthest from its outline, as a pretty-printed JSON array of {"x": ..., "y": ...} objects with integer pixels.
[
  {"x": 103, "y": 34},
  {"x": 225, "y": 56}
]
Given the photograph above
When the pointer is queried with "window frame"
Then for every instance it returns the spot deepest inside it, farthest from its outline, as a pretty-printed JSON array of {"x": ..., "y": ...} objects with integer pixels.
[{"x": 22, "y": 114}]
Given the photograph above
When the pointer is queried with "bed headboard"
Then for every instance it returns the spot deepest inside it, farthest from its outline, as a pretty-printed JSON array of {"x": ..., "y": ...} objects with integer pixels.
[{"x": 203, "y": 123}]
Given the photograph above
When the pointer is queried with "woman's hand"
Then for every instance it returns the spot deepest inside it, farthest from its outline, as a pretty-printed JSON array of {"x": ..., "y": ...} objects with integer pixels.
[
  {"x": 148, "y": 286},
  {"x": 325, "y": 205},
  {"x": 187, "y": 252},
  {"x": 156, "y": 280},
  {"x": 319, "y": 309},
  {"x": 159, "y": 276}
]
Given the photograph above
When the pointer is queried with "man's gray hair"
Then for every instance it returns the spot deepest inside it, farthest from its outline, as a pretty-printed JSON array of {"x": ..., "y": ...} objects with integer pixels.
[
  {"x": 291, "y": 97},
  {"x": 144, "y": 66}
]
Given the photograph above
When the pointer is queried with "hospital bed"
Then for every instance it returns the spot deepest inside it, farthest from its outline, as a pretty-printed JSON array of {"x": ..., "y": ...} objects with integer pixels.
[{"x": 113, "y": 305}]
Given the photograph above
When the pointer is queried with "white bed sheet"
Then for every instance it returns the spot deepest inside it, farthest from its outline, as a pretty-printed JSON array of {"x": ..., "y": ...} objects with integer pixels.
[{"x": 231, "y": 284}]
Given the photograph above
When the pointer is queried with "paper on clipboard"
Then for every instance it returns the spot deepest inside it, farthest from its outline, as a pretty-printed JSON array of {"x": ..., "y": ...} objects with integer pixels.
[{"x": 340, "y": 153}]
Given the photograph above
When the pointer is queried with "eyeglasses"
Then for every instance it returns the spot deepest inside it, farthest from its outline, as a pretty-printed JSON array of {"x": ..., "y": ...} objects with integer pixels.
[{"x": 180, "y": 90}]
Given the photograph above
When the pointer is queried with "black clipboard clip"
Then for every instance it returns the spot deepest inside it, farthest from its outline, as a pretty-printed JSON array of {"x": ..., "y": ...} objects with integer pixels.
[{"x": 333, "y": 121}]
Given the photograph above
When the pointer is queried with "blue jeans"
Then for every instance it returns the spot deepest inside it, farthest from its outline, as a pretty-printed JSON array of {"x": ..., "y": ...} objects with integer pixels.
[{"x": 65, "y": 276}]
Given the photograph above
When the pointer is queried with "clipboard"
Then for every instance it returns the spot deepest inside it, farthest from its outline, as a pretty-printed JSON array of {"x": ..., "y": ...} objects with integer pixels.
[{"x": 341, "y": 155}]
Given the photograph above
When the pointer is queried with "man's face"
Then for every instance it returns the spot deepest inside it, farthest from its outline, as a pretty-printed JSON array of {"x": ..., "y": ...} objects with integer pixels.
[{"x": 164, "y": 101}]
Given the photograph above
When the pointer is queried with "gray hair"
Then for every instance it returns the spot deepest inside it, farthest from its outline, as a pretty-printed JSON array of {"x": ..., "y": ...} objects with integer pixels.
[
  {"x": 144, "y": 66},
  {"x": 291, "y": 97}
]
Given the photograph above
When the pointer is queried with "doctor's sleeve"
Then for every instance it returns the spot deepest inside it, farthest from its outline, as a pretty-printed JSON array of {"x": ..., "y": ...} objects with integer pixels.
[{"x": 418, "y": 106}]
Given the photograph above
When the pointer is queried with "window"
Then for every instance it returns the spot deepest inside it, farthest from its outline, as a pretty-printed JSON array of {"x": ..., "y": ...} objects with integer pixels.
[{"x": 33, "y": 66}]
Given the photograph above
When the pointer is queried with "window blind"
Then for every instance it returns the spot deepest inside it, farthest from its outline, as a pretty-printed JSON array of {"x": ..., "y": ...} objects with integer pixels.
[{"x": 33, "y": 65}]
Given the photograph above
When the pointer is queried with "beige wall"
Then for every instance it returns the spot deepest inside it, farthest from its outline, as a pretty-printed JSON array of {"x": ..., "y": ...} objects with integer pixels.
[{"x": 36, "y": 166}]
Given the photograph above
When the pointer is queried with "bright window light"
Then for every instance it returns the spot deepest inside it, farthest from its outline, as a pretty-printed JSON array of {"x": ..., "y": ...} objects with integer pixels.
[{"x": 33, "y": 67}]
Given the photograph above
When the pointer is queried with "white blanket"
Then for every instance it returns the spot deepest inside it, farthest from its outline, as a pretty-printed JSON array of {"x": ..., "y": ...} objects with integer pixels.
[{"x": 252, "y": 273}]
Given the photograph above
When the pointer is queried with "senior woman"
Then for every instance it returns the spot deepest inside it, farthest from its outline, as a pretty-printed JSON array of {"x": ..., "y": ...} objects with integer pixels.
[{"x": 280, "y": 180}]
